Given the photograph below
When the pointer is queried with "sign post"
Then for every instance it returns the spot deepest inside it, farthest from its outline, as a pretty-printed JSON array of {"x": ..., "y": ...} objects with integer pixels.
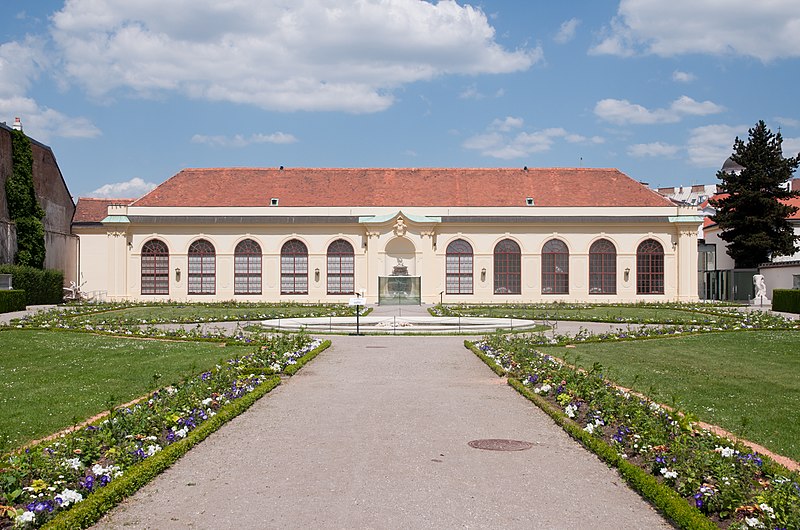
[{"x": 358, "y": 302}]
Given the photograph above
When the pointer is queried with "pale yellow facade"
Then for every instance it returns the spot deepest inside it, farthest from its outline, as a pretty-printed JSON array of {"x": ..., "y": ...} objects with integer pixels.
[{"x": 111, "y": 252}]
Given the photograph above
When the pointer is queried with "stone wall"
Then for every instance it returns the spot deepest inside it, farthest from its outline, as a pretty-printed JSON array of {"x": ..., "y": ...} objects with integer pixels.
[{"x": 54, "y": 198}]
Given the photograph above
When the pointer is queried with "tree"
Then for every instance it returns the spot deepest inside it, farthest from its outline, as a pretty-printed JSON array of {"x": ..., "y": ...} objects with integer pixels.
[
  {"x": 23, "y": 207},
  {"x": 752, "y": 217}
]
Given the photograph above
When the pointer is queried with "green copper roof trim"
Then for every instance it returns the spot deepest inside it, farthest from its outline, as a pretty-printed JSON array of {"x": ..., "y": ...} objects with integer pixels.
[
  {"x": 385, "y": 218},
  {"x": 116, "y": 219},
  {"x": 685, "y": 219}
]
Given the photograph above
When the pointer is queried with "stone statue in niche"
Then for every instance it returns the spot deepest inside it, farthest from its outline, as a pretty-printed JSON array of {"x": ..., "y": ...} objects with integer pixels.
[
  {"x": 400, "y": 269},
  {"x": 760, "y": 297}
]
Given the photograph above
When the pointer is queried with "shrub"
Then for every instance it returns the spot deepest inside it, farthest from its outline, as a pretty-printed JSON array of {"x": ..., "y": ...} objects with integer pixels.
[
  {"x": 13, "y": 300},
  {"x": 40, "y": 286},
  {"x": 787, "y": 300}
]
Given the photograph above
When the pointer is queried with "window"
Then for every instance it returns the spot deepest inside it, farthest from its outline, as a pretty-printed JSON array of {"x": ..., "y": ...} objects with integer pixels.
[
  {"x": 458, "y": 267},
  {"x": 294, "y": 268},
  {"x": 507, "y": 268},
  {"x": 602, "y": 267},
  {"x": 202, "y": 268},
  {"x": 555, "y": 267},
  {"x": 247, "y": 268},
  {"x": 155, "y": 267},
  {"x": 341, "y": 268},
  {"x": 650, "y": 267}
]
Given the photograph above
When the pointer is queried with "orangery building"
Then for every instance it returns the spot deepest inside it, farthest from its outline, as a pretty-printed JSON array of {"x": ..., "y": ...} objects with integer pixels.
[{"x": 391, "y": 236}]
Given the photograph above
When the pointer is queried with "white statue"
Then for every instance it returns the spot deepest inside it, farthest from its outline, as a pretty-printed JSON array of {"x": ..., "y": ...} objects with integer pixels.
[{"x": 761, "y": 290}]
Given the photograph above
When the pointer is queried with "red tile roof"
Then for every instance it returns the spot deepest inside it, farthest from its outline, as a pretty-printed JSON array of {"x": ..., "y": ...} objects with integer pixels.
[
  {"x": 91, "y": 210},
  {"x": 401, "y": 187}
]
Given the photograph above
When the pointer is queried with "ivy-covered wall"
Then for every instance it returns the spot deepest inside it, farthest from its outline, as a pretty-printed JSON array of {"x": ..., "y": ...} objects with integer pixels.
[{"x": 23, "y": 207}]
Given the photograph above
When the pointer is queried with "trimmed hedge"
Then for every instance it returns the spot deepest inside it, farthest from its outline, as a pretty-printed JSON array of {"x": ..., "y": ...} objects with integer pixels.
[
  {"x": 89, "y": 511},
  {"x": 293, "y": 368},
  {"x": 12, "y": 301},
  {"x": 787, "y": 300},
  {"x": 40, "y": 286},
  {"x": 664, "y": 498}
]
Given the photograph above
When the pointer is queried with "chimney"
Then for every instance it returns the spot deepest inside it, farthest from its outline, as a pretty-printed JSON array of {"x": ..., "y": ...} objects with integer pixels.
[{"x": 17, "y": 124}]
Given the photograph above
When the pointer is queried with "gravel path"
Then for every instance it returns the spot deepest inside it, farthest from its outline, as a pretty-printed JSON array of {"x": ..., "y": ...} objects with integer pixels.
[{"x": 373, "y": 434}]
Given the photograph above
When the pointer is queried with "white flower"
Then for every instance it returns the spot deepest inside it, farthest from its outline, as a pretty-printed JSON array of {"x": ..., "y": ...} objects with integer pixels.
[
  {"x": 152, "y": 449},
  {"x": 207, "y": 401},
  {"x": 25, "y": 517},
  {"x": 668, "y": 474},
  {"x": 589, "y": 428},
  {"x": 753, "y": 522},
  {"x": 69, "y": 496},
  {"x": 181, "y": 433},
  {"x": 74, "y": 463},
  {"x": 726, "y": 452},
  {"x": 570, "y": 410}
]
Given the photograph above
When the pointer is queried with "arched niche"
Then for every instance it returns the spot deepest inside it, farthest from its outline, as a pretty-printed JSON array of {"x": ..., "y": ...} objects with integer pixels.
[{"x": 400, "y": 252}]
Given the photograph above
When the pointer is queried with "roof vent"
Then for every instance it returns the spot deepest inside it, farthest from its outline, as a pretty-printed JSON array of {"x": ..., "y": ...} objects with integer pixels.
[
  {"x": 525, "y": 168},
  {"x": 281, "y": 168},
  {"x": 529, "y": 201},
  {"x": 273, "y": 201}
]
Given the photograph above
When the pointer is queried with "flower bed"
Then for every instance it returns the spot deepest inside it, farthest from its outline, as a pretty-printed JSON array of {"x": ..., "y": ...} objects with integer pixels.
[
  {"x": 727, "y": 482},
  {"x": 46, "y": 481}
]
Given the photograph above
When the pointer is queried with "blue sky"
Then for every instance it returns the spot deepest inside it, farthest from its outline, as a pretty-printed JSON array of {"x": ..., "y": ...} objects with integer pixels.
[{"x": 129, "y": 93}]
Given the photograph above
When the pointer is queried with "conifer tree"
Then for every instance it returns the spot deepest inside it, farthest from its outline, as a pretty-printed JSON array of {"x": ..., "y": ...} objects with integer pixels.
[{"x": 752, "y": 218}]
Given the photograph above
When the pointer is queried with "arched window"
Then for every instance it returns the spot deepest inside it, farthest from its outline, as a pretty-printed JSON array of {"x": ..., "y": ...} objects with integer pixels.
[
  {"x": 507, "y": 268},
  {"x": 294, "y": 268},
  {"x": 247, "y": 268},
  {"x": 202, "y": 268},
  {"x": 341, "y": 268},
  {"x": 555, "y": 267},
  {"x": 155, "y": 267},
  {"x": 650, "y": 267},
  {"x": 458, "y": 267},
  {"x": 602, "y": 267}
]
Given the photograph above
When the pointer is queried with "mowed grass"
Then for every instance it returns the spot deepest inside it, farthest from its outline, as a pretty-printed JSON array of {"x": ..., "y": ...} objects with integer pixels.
[
  {"x": 49, "y": 379},
  {"x": 200, "y": 313},
  {"x": 597, "y": 313},
  {"x": 747, "y": 382}
]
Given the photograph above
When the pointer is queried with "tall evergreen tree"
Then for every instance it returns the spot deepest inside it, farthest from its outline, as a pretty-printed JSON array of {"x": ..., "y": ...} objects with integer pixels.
[{"x": 752, "y": 218}]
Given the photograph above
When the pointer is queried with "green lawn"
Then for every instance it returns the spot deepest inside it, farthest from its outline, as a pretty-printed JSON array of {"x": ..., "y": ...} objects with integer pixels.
[
  {"x": 202, "y": 313},
  {"x": 48, "y": 379},
  {"x": 631, "y": 314},
  {"x": 746, "y": 382}
]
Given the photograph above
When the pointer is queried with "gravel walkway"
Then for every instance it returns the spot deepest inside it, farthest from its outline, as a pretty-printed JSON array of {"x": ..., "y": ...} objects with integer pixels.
[{"x": 373, "y": 434}]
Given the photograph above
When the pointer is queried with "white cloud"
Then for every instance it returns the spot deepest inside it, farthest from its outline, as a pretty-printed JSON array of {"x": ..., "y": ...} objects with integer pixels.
[
  {"x": 499, "y": 142},
  {"x": 567, "y": 31},
  {"x": 506, "y": 124},
  {"x": 240, "y": 140},
  {"x": 656, "y": 149},
  {"x": 43, "y": 123},
  {"x": 711, "y": 145},
  {"x": 765, "y": 30},
  {"x": 132, "y": 189},
  {"x": 683, "y": 77},
  {"x": 790, "y": 147},
  {"x": 622, "y": 111},
  {"x": 787, "y": 122},
  {"x": 302, "y": 55},
  {"x": 20, "y": 65}
]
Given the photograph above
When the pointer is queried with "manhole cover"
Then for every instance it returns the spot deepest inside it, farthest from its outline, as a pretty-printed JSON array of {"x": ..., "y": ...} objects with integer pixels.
[{"x": 494, "y": 444}]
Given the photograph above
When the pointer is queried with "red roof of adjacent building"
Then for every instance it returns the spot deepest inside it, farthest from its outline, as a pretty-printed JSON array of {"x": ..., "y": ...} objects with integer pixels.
[
  {"x": 91, "y": 210},
  {"x": 401, "y": 187}
]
